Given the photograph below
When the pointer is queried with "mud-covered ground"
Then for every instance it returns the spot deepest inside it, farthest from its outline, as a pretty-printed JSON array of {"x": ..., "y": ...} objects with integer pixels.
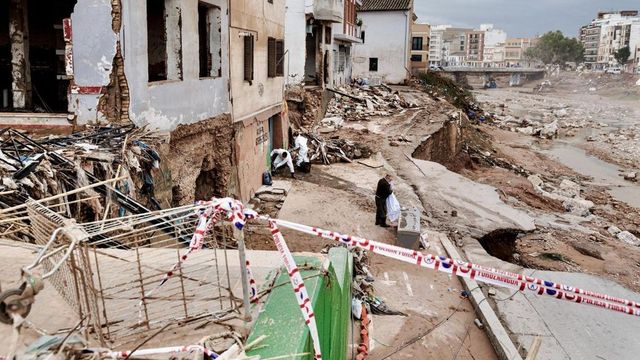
[
  {"x": 597, "y": 144},
  {"x": 341, "y": 196}
]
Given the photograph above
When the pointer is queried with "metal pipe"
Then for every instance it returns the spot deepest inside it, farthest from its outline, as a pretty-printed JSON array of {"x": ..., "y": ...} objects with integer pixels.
[{"x": 239, "y": 235}]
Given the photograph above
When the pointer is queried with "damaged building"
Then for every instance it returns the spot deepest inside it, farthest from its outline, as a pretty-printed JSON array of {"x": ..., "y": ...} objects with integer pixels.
[
  {"x": 257, "y": 86},
  {"x": 319, "y": 39},
  {"x": 384, "y": 55},
  {"x": 161, "y": 64}
]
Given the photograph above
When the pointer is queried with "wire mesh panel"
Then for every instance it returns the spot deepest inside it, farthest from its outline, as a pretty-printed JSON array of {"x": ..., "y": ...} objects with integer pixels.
[{"x": 135, "y": 274}]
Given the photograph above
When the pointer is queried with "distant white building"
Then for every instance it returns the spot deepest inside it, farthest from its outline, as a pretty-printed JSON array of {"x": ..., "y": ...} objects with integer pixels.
[
  {"x": 436, "y": 45},
  {"x": 386, "y": 34},
  {"x": 494, "y": 41},
  {"x": 607, "y": 34}
]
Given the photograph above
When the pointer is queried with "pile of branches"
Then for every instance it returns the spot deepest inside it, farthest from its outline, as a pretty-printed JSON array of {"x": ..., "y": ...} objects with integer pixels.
[{"x": 334, "y": 150}]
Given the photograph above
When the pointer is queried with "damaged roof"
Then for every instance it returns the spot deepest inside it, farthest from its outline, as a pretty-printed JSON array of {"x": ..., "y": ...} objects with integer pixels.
[{"x": 385, "y": 5}]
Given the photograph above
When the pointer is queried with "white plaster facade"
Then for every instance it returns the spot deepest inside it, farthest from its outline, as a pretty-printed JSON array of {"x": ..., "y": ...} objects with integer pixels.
[
  {"x": 162, "y": 105},
  {"x": 494, "y": 40},
  {"x": 387, "y": 39},
  {"x": 295, "y": 34}
]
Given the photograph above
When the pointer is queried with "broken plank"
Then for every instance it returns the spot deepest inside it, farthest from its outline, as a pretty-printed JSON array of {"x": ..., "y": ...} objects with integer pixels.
[{"x": 347, "y": 95}]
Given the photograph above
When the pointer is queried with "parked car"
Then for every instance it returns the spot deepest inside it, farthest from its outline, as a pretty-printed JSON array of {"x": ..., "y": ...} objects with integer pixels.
[{"x": 613, "y": 70}]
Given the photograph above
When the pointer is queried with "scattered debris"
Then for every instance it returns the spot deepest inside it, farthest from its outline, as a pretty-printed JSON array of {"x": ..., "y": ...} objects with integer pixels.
[
  {"x": 568, "y": 193},
  {"x": 628, "y": 238},
  {"x": 56, "y": 165},
  {"x": 357, "y": 103}
]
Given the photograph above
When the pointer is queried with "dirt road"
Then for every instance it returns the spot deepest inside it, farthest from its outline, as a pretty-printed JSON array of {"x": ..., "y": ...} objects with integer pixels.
[{"x": 483, "y": 195}]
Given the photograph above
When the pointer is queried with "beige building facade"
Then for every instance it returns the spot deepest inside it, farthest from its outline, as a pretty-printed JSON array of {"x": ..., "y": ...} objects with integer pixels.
[
  {"x": 420, "y": 41},
  {"x": 256, "y": 48}
]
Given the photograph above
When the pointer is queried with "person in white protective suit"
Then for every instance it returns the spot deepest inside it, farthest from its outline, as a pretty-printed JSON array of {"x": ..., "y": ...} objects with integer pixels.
[
  {"x": 303, "y": 150},
  {"x": 281, "y": 157}
]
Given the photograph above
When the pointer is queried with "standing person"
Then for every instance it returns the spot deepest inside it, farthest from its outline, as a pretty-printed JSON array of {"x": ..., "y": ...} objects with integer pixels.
[
  {"x": 303, "y": 149},
  {"x": 281, "y": 157},
  {"x": 382, "y": 193}
]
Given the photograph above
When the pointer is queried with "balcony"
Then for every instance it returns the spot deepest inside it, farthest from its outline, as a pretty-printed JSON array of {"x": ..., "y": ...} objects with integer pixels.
[{"x": 328, "y": 10}]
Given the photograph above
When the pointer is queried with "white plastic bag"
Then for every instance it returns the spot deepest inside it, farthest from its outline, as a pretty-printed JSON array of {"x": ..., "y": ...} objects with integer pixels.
[{"x": 393, "y": 208}]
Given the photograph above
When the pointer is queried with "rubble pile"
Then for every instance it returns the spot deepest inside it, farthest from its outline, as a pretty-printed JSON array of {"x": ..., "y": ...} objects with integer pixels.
[
  {"x": 356, "y": 103},
  {"x": 54, "y": 165},
  {"x": 312, "y": 104},
  {"x": 536, "y": 116},
  {"x": 269, "y": 200},
  {"x": 624, "y": 144}
]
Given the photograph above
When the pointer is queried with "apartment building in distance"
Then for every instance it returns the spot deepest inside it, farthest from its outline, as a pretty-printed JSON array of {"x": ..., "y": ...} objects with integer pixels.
[
  {"x": 475, "y": 47},
  {"x": 608, "y": 33},
  {"x": 384, "y": 54},
  {"x": 454, "y": 46},
  {"x": 590, "y": 39},
  {"x": 514, "y": 51},
  {"x": 436, "y": 45},
  {"x": 420, "y": 40}
]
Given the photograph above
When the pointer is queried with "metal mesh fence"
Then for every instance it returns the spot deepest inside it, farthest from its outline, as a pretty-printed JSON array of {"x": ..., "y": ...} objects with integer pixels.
[{"x": 124, "y": 279}]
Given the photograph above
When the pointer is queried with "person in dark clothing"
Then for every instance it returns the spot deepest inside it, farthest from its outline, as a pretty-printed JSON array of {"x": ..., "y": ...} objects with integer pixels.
[{"x": 382, "y": 193}]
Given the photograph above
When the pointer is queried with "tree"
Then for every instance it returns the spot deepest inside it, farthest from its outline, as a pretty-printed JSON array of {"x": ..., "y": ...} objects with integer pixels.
[
  {"x": 554, "y": 48},
  {"x": 622, "y": 55}
]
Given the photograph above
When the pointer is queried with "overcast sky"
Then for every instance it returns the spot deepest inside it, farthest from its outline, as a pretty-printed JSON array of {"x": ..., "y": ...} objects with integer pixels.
[{"x": 519, "y": 18}]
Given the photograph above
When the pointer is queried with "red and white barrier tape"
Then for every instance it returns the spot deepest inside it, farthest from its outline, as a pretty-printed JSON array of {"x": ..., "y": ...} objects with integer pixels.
[
  {"x": 159, "y": 351},
  {"x": 238, "y": 215},
  {"x": 477, "y": 272},
  {"x": 298, "y": 287},
  {"x": 252, "y": 282}
]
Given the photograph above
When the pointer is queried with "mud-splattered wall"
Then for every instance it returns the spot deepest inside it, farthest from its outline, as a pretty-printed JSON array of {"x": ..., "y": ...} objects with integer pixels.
[{"x": 201, "y": 160}]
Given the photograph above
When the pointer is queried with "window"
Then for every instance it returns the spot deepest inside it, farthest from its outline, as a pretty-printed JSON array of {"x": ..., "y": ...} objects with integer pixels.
[
  {"x": 275, "y": 57},
  {"x": 362, "y": 36},
  {"x": 248, "y": 58},
  {"x": 417, "y": 43},
  {"x": 209, "y": 24},
  {"x": 280, "y": 58},
  {"x": 416, "y": 58},
  {"x": 373, "y": 64},
  {"x": 341, "y": 62},
  {"x": 164, "y": 40},
  {"x": 327, "y": 34}
]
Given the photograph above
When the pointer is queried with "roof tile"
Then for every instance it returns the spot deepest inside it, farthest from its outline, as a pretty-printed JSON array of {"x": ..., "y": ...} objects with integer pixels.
[{"x": 385, "y": 5}]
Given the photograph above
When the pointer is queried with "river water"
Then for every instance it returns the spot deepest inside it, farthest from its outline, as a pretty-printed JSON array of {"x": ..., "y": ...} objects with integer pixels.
[{"x": 602, "y": 172}]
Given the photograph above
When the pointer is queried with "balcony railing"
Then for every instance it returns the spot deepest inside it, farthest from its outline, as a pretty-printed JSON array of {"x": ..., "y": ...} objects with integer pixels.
[{"x": 328, "y": 10}]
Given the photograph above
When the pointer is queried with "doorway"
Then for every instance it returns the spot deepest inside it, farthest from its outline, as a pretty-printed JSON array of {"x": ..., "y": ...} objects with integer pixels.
[{"x": 46, "y": 85}]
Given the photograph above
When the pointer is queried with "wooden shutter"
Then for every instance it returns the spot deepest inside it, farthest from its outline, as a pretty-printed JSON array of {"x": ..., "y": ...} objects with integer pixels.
[
  {"x": 271, "y": 57},
  {"x": 248, "y": 58},
  {"x": 280, "y": 58}
]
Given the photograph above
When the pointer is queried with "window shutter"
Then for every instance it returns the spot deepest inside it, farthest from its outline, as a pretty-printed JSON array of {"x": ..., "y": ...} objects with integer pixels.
[
  {"x": 248, "y": 58},
  {"x": 280, "y": 58},
  {"x": 271, "y": 57}
]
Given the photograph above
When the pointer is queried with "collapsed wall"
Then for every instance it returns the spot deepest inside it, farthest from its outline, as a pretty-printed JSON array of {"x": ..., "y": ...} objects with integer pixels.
[{"x": 200, "y": 160}]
